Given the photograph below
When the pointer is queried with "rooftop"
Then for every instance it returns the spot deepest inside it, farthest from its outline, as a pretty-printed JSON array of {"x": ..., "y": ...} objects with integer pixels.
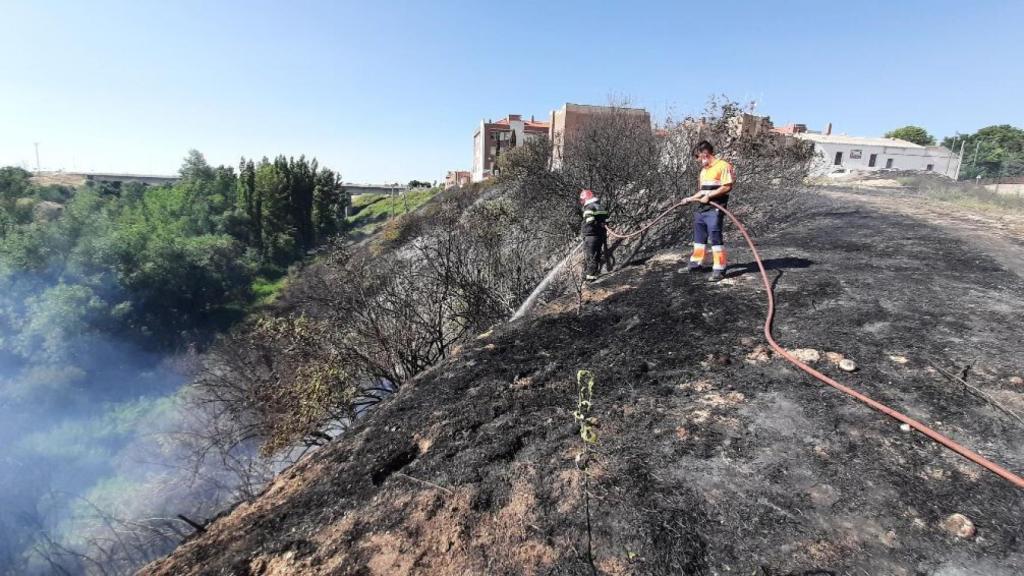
[
  {"x": 596, "y": 108},
  {"x": 535, "y": 124},
  {"x": 857, "y": 140}
]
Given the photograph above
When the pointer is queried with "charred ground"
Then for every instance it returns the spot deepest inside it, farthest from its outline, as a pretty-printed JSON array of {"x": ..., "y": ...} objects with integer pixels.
[{"x": 711, "y": 458}]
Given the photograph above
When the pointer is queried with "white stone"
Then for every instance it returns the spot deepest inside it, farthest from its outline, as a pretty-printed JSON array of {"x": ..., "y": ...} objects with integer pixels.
[
  {"x": 808, "y": 355},
  {"x": 959, "y": 525}
]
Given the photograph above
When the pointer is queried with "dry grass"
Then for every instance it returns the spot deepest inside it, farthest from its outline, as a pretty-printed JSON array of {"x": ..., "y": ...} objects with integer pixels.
[
  {"x": 58, "y": 179},
  {"x": 964, "y": 194}
]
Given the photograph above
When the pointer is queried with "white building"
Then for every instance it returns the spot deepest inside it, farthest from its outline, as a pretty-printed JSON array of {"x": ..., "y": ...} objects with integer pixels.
[{"x": 838, "y": 153}]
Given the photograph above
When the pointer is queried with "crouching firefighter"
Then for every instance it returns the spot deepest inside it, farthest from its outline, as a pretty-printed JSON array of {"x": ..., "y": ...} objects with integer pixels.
[
  {"x": 715, "y": 183},
  {"x": 594, "y": 232}
]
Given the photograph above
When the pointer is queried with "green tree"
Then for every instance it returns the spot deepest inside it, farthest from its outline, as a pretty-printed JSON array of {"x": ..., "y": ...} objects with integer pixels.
[
  {"x": 208, "y": 194},
  {"x": 328, "y": 205},
  {"x": 302, "y": 184},
  {"x": 248, "y": 207},
  {"x": 914, "y": 134},
  {"x": 26, "y": 248},
  {"x": 195, "y": 168},
  {"x": 991, "y": 152},
  {"x": 165, "y": 263},
  {"x": 6, "y": 223},
  {"x": 276, "y": 225},
  {"x": 56, "y": 321},
  {"x": 14, "y": 183},
  {"x": 184, "y": 285}
]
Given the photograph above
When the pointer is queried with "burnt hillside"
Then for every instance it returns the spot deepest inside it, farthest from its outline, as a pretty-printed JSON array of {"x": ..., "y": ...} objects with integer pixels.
[{"x": 712, "y": 456}]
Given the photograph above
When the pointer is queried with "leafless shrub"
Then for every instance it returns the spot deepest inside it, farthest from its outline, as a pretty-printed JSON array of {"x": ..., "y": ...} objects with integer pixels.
[
  {"x": 571, "y": 276},
  {"x": 639, "y": 172},
  {"x": 542, "y": 201},
  {"x": 469, "y": 260},
  {"x": 770, "y": 168},
  {"x": 391, "y": 320},
  {"x": 380, "y": 319},
  {"x": 108, "y": 544},
  {"x": 358, "y": 323},
  {"x": 280, "y": 381}
]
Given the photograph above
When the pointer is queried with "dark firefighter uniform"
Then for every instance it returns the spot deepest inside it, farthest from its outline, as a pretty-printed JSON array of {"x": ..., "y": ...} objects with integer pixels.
[{"x": 595, "y": 235}]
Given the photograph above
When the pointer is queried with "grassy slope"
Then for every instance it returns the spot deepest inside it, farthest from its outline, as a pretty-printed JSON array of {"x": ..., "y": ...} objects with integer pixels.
[{"x": 373, "y": 209}]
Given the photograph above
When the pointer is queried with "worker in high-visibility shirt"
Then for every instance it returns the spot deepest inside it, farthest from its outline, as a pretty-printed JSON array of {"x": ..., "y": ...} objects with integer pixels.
[{"x": 716, "y": 180}]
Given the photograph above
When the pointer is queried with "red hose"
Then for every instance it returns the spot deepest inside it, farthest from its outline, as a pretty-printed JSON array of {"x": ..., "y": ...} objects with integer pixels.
[
  {"x": 935, "y": 436},
  {"x": 661, "y": 216}
]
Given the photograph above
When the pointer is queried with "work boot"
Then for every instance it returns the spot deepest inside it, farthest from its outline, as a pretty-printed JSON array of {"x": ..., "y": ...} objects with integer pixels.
[
  {"x": 716, "y": 275},
  {"x": 590, "y": 277},
  {"x": 691, "y": 267}
]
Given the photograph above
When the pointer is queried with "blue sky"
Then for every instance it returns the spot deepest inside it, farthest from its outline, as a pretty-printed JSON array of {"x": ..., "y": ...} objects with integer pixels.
[{"x": 393, "y": 90}]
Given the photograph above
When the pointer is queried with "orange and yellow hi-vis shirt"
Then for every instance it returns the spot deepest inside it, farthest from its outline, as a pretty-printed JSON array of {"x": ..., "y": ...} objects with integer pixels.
[{"x": 715, "y": 176}]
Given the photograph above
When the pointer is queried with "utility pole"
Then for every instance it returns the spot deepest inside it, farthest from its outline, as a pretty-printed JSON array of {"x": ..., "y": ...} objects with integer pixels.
[
  {"x": 960, "y": 160},
  {"x": 950, "y": 157},
  {"x": 37, "y": 156},
  {"x": 974, "y": 162}
]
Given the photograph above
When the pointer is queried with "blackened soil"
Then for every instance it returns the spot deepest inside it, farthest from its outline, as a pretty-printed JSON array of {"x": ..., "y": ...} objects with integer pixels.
[{"x": 706, "y": 462}]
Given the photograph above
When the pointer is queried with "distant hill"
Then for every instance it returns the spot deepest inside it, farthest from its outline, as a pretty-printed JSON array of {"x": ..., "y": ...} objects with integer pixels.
[{"x": 71, "y": 180}]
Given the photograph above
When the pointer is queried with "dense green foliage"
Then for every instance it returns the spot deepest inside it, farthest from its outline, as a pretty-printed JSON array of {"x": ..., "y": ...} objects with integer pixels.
[
  {"x": 159, "y": 265},
  {"x": 103, "y": 290},
  {"x": 914, "y": 134},
  {"x": 991, "y": 152}
]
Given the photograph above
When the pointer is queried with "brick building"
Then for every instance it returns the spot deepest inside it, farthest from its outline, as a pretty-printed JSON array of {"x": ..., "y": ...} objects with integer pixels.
[
  {"x": 790, "y": 129},
  {"x": 491, "y": 139},
  {"x": 457, "y": 179},
  {"x": 571, "y": 117},
  {"x": 749, "y": 126},
  {"x": 743, "y": 126}
]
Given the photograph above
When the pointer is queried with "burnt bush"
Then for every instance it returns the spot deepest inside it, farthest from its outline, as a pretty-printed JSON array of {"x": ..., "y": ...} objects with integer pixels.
[
  {"x": 639, "y": 172},
  {"x": 359, "y": 322},
  {"x": 770, "y": 168},
  {"x": 280, "y": 380},
  {"x": 364, "y": 319}
]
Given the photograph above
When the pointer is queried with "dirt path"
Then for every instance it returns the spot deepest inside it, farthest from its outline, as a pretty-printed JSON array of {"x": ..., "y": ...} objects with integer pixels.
[{"x": 1001, "y": 236}]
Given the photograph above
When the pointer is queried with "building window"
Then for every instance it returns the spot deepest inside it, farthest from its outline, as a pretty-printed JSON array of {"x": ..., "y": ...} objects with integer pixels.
[
  {"x": 888, "y": 163},
  {"x": 855, "y": 154},
  {"x": 930, "y": 167},
  {"x": 839, "y": 159},
  {"x": 871, "y": 160}
]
